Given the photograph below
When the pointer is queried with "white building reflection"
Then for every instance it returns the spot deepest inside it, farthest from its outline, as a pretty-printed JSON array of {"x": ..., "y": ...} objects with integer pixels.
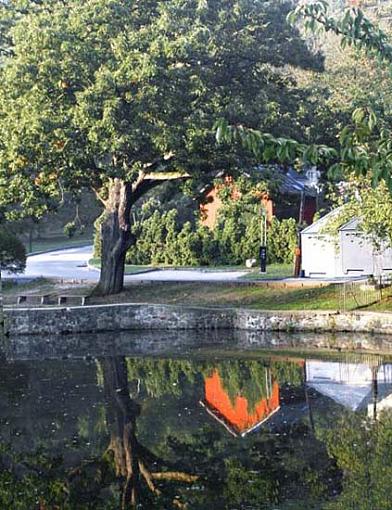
[{"x": 356, "y": 386}]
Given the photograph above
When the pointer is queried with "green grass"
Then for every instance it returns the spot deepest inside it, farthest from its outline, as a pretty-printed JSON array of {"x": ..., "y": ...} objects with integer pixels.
[
  {"x": 273, "y": 271},
  {"x": 231, "y": 295},
  {"x": 133, "y": 268},
  {"x": 385, "y": 305},
  {"x": 129, "y": 269},
  {"x": 37, "y": 286},
  {"x": 56, "y": 243},
  {"x": 274, "y": 296}
]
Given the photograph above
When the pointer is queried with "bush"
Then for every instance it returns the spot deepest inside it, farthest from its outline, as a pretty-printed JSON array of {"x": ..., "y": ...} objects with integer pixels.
[
  {"x": 70, "y": 229},
  {"x": 97, "y": 237},
  {"x": 12, "y": 252},
  {"x": 161, "y": 239},
  {"x": 282, "y": 240}
]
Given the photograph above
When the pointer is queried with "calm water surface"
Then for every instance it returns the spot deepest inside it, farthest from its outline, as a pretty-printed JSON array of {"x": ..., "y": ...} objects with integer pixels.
[{"x": 197, "y": 421}]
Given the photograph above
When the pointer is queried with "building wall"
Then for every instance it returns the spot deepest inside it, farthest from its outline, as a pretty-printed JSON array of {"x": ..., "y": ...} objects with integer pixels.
[
  {"x": 357, "y": 254},
  {"x": 320, "y": 256},
  {"x": 351, "y": 254},
  {"x": 210, "y": 208}
]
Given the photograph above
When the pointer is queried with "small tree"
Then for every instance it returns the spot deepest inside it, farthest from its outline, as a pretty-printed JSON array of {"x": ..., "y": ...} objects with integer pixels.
[
  {"x": 12, "y": 252},
  {"x": 12, "y": 258}
]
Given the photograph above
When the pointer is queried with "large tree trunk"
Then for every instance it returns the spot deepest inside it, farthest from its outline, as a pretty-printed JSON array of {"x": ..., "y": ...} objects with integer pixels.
[
  {"x": 116, "y": 237},
  {"x": 121, "y": 417},
  {"x": 2, "y": 325}
]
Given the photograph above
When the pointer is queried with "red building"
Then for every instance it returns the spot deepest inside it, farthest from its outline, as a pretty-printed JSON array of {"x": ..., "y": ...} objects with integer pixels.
[{"x": 294, "y": 198}]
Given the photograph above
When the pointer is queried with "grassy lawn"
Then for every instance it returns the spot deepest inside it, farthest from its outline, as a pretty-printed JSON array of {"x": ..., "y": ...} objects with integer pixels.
[
  {"x": 129, "y": 268},
  {"x": 38, "y": 286},
  {"x": 261, "y": 297},
  {"x": 202, "y": 294},
  {"x": 56, "y": 243},
  {"x": 385, "y": 305},
  {"x": 217, "y": 294},
  {"x": 273, "y": 271}
]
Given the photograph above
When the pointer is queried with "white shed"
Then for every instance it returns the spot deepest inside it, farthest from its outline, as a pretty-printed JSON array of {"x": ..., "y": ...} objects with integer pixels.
[{"x": 348, "y": 253}]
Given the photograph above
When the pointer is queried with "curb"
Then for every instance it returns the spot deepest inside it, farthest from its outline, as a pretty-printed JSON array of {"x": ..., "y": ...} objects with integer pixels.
[
  {"x": 143, "y": 271},
  {"x": 84, "y": 245}
]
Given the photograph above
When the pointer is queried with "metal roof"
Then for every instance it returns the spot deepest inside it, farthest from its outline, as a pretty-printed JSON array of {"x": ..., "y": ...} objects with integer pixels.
[
  {"x": 351, "y": 225},
  {"x": 319, "y": 225},
  {"x": 290, "y": 182}
]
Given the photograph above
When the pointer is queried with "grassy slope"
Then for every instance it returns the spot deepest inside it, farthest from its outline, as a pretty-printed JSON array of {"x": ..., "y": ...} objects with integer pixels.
[
  {"x": 385, "y": 305},
  {"x": 57, "y": 243},
  {"x": 214, "y": 294},
  {"x": 208, "y": 294}
]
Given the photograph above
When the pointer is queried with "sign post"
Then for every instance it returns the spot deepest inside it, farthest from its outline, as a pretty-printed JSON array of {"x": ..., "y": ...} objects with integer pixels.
[{"x": 263, "y": 241}]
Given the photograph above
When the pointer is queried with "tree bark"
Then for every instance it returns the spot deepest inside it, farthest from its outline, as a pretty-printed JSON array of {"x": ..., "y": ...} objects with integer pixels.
[
  {"x": 2, "y": 325},
  {"x": 116, "y": 237}
]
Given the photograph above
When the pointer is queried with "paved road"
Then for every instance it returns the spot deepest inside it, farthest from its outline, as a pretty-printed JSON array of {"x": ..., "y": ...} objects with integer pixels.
[{"x": 72, "y": 264}]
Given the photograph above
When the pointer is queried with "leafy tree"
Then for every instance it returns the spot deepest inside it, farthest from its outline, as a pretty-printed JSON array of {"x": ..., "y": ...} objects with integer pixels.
[
  {"x": 362, "y": 451},
  {"x": 121, "y": 96},
  {"x": 365, "y": 145},
  {"x": 12, "y": 252},
  {"x": 357, "y": 198}
]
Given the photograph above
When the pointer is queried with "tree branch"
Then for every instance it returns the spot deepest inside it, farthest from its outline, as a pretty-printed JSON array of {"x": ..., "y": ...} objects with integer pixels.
[
  {"x": 151, "y": 181},
  {"x": 98, "y": 196},
  {"x": 166, "y": 176},
  {"x": 177, "y": 476},
  {"x": 147, "y": 476}
]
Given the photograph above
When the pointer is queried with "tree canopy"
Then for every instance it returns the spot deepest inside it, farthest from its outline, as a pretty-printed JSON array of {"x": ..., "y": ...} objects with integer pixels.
[
  {"x": 365, "y": 145},
  {"x": 121, "y": 95}
]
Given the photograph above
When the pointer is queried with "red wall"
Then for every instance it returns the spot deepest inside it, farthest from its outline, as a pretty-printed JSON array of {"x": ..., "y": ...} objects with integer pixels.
[{"x": 238, "y": 414}]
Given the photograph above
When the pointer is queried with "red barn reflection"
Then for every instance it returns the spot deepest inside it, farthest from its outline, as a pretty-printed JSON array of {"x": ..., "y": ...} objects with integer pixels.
[{"x": 235, "y": 414}]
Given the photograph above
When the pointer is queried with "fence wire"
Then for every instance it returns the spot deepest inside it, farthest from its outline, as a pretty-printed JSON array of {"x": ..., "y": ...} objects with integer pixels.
[{"x": 362, "y": 293}]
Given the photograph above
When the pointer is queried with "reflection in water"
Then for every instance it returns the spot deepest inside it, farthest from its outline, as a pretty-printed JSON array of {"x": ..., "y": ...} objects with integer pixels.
[
  {"x": 120, "y": 432},
  {"x": 236, "y": 414},
  {"x": 131, "y": 458}
]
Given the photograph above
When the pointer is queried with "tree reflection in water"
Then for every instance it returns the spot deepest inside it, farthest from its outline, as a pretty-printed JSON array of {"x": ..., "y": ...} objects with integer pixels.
[
  {"x": 131, "y": 458},
  {"x": 147, "y": 454}
]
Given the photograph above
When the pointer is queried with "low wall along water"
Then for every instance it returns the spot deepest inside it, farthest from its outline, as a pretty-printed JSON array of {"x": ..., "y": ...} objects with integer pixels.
[{"x": 121, "y": 317}]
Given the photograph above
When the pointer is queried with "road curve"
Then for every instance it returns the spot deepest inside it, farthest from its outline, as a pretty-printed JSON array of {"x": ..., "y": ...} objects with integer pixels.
[{"x": 71, "y": 263}]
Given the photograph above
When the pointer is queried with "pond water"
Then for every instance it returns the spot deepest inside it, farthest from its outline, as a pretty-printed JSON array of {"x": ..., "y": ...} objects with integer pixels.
[{"x": 197, "y": 421}]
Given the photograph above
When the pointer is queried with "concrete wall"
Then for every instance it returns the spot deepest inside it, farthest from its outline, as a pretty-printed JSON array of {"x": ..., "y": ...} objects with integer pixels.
[{"x": 122, "y": 317}]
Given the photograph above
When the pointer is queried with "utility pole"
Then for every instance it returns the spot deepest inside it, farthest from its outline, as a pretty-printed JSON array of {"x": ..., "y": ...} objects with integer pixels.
[{"x": 263, "y": 240}]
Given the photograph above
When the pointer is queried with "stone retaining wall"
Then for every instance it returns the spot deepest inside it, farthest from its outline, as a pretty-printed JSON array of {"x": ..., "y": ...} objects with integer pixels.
[{"x": 121, "y": 317}]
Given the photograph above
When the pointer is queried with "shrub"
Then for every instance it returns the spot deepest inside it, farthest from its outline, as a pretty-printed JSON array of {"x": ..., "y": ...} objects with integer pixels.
[
  {"x": 12, "y": 252},
  {"x": 97, "y": 236},
  {"x": 161, "y": 239},
  {"x": 70, "y": 229},
  {"x": 282, "y": 240}
]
